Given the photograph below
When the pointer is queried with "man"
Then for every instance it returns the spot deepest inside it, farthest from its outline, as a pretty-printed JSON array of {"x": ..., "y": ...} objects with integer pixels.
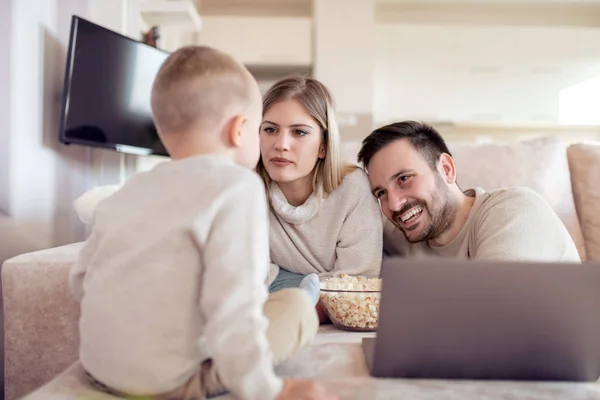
[{"x": 413, "y": 176}]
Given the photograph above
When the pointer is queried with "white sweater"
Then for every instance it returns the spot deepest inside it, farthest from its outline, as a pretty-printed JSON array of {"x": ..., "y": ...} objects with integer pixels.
[
  {"x": 514, "y": 224},
  {"x": 173, "y": 274},
  {"x": 341, "y": 234}
]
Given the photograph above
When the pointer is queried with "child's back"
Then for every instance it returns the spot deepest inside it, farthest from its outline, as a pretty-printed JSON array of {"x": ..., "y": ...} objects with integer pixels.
[{"x": 141, "y": 314}]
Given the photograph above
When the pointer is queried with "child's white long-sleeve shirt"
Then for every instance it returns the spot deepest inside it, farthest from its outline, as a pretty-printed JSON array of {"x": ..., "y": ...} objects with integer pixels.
[{"x": 172, "y": 274}]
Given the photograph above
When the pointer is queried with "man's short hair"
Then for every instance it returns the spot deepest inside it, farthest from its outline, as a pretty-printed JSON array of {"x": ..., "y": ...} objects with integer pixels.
[
  {"x": 423, "y": 137},
  {"x": 197, "y": 85}
]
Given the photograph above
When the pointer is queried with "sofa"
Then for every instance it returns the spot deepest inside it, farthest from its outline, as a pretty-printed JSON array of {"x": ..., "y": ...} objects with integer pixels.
[{"x": 41, "y": 333}]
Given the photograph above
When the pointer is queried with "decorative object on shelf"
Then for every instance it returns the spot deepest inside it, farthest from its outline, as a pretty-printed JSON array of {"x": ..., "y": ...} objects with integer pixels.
[{"x": 151, "y": 37}]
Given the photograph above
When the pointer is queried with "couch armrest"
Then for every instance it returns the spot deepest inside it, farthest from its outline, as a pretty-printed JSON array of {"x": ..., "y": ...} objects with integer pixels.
[
  {"x": 40, "y": 318},
  {"x": 584, "y": 163}
]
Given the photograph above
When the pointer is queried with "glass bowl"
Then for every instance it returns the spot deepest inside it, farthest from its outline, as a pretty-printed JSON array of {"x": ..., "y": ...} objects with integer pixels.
[{"x": 352, "y": 302}]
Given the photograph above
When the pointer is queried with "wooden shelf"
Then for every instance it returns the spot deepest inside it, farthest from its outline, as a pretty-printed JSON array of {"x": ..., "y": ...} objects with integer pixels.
[
  {"x": 180, "y": 13},
  {"x": 277, "y": 71}
]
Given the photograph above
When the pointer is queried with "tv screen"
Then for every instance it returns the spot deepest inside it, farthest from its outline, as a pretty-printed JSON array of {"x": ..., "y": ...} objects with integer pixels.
[{"x": 106, "y": 98}]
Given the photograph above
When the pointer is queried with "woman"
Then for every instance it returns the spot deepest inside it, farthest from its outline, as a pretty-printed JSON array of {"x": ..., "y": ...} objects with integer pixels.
[{"x": 323, "y": 218}]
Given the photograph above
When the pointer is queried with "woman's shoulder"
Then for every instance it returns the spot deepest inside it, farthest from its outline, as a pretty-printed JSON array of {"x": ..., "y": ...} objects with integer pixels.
[
  {"x": 354, "y": 194},
  {"x": 355, "y": 187},
  {"x": 355, "y": 178}
]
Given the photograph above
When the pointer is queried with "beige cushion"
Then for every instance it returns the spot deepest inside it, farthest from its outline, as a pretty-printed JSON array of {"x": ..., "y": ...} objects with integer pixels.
[
  {"x": 584, "y": 162},
  {"x": 539, "y": 164},
  {"x": 349, "y": 150},
  {"x": 40, "y": 318},
  {"x": 15, "y": 239}
]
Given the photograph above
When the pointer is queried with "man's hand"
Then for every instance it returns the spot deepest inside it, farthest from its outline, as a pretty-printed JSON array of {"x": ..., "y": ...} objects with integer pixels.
[{"x": 302, "y": 389}]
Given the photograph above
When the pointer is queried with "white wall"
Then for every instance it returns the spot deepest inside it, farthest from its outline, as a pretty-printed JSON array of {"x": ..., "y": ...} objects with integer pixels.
[
  {"x": 344, "y": 60},
  {"x": 40, "y": 178},
  {"x": 33, "y": 160},
  {"x": 454, "y": 72},
  {"x": 259, "y": 41},
  {"x": 494, "y": 12},
  {"x": 344, "y": 51},
  {"x": 5, "y": 35}
]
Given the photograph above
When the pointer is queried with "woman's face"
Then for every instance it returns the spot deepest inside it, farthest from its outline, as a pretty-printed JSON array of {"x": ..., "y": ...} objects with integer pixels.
[{"x": 291, "y": 142}]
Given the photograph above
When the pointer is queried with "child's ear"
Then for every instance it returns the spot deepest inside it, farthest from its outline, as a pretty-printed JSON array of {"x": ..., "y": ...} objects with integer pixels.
[{"x": 234, "y": 133}]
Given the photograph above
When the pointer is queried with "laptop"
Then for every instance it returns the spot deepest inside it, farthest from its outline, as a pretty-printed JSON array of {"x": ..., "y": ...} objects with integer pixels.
[{"x": 448, "y": 319}]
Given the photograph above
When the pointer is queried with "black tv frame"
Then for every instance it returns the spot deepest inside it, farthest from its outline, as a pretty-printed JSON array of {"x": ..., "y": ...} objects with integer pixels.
[{"x": 66, "y": 90}]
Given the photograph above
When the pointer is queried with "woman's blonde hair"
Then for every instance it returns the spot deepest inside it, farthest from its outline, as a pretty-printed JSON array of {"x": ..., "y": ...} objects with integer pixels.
[{"x": 329, "y": 172}]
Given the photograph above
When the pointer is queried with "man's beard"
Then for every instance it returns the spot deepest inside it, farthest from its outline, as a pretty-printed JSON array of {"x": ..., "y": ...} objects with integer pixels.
[{"x": 440, "y": 217}]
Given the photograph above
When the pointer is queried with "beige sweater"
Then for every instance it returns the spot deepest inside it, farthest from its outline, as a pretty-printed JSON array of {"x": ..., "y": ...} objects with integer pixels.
[
  {"x": 344, "y": 234},
  {"x": 514, "y": 224},
  {"x": 173, "y": 274}
]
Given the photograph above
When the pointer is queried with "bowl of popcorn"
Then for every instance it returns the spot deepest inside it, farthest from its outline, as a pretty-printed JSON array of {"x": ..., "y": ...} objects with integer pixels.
[{"x": 352, "y": 302}]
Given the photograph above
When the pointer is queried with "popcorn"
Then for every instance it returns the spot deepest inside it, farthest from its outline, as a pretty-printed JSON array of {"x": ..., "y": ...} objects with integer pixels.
[{"x": 352, "y": 302}]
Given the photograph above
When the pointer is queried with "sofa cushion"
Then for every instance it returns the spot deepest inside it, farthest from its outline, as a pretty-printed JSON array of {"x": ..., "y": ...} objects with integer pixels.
[
  {"x": 584, "y": 162},
  {"x": 15, "y": 239},
  {"x": 539, "y": 164},
  {"x": 40, "y": 318}
]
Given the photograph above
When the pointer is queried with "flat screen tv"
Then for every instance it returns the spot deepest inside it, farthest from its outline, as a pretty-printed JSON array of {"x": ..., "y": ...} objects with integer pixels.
[{"x": 106, "y": 97}]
